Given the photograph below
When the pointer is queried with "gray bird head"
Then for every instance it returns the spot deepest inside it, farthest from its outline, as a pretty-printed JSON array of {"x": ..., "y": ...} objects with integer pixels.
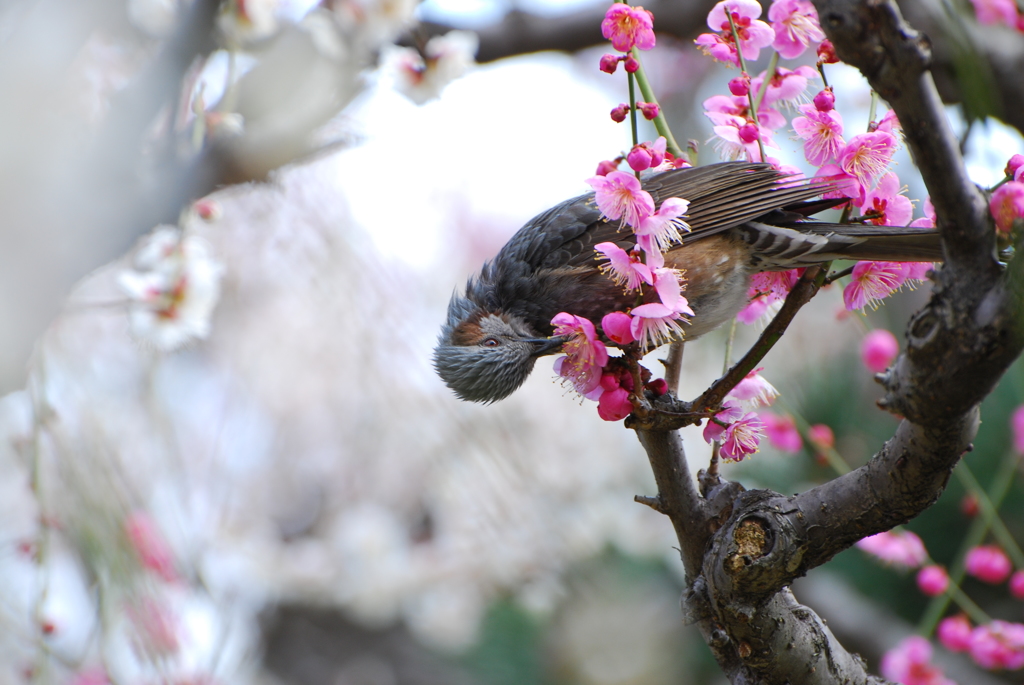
[{"x": 484, "y": 356}]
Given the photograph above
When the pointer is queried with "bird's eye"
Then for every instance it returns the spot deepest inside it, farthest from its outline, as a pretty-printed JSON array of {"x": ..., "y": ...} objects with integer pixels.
[{"x": 491, "y": 342}]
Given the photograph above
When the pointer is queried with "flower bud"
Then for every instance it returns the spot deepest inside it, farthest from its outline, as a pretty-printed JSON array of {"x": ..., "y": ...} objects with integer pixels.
[
  {"x": 619, "y": 113},
  {"x": 639, "y": 158},
  {"x": 827, "y": 53},
  {"x": 606, "y": 167},
  {"x": 630, "y": 64},
  {"x": 749, "y": 133},
  {"x": 825, "y": 101},
  {"x": 650, "y": 110},
  {"x": 740, "y": 85},
  {"x": 1016, "y": 162},
  {"x": 609, "y": 63}
]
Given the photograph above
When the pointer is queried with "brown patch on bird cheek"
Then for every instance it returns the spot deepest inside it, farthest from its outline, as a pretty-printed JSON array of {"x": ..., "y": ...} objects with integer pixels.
[{"x": 467, "y": 333}]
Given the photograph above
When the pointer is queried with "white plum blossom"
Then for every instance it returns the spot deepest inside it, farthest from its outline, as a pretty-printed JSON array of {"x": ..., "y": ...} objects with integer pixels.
[{"x": 172, "y": 289}]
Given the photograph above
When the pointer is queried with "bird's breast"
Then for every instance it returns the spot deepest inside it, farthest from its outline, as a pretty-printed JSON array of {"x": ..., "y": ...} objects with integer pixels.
[{"x": 716, "y": 272}]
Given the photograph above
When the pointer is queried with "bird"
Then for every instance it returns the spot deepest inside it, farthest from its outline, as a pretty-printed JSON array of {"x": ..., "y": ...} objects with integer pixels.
[{"x": 743, "y": 218}]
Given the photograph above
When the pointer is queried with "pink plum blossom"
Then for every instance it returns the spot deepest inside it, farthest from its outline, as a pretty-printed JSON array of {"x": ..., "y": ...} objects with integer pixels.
[
  {"x": 955, "y": 633},
  {"x": 658, "y": 231},
  {"x": 933, "y": 580},
  {"x": 150, "y": 546},
  {"x": 781, "y": 432},
  {"x": 878, "y": 349},
  {"x": 897, "y": 548},
  {"x": 742, "y": 437},
  {"x": 1007, "y": 205},
  {"x": 867, "y": 155},
  {"x": 998, "y": 645},
  {"x": 892, "y": 208},
  {"x": 871, "y": 283},
  {"x": 785, "y": 86},
  {"x": 1017, "y": 427},
  {"x": 1017, "y": 584},
  {"x": 988, "y": 563},
  {"x": 616, "y": 325},
  {"x": 740, "y": 434},
  {"x": 796, "y": 26},
  {"x": 822, "y": 133},
  {"x": 753, "y": 33},
  {"x": 625, "y": 268},
  {"x": 619, "y": 196},
  {"x": 714, "y": 429},
  {"x": 719, "y": 48},
  {"x": 585, "y": 355},
  {"x": 645, "y": 155},
  {"x": 627, "y": 27},
  {"x": 668, "y": 284},
  {"x": 990, "y": 12},
  {"x": 844, "y": 185},
  {"x": 755, "y": 390},
  {"x": 655, "y": 324},
  {"x": 910, "y": 663}
]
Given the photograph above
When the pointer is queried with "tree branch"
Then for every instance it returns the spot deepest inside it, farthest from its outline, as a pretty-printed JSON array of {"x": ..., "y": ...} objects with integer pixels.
[{"x": 958, "y": 346}]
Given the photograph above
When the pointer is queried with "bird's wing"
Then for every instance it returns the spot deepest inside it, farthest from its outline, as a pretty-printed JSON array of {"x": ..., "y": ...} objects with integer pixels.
[{"x": 721, "y": 196}]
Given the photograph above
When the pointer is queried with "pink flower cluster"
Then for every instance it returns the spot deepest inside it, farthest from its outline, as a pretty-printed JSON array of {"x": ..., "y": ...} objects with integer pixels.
[
  {"x": 997, "y": 645},
  {"x": 739, "y": 430},
  {"x": 586, "y": 366},
  {"x": 753, "y": 33},
  {"x": 627, "y": 28},
  {"x": 859, "y": 169}
]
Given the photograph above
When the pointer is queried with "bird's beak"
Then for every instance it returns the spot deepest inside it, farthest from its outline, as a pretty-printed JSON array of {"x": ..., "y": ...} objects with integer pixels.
[{"x": 545, "y": 346}]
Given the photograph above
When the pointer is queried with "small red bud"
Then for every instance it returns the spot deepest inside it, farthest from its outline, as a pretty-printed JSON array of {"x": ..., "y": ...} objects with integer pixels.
[
  {"x": 740, "y": 85},
  {"x": 48, "y": 628},
  {"x": 631, "y": 64},
  {"x": 749, "y": 133},
  {"x": 650, "y": 110},
  {"x": 825, "y": 101},
  {"x": 609, "y": 63},
  {"x": 827, "y": 53},
  {"x": 619, "y": 113},
  {"x": 606, "y": 167},
  {"x": 658, "y": 386}
]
